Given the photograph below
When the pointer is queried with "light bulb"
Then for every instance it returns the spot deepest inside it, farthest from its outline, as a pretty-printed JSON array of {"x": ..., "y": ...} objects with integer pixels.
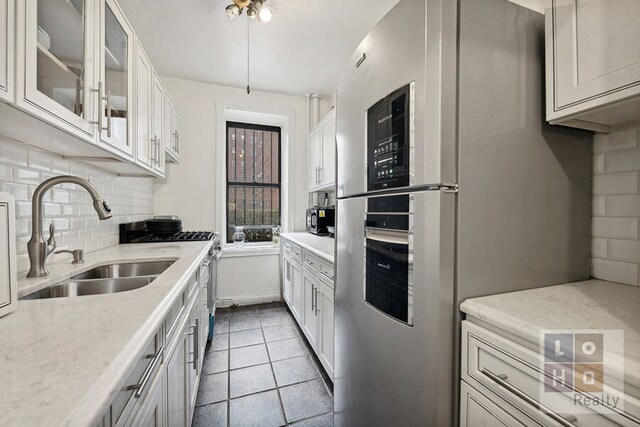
[
  {"x": 231, "y": 10},
  {"x": 265, "y": 14},
  {"x": 252, "y": 12}
]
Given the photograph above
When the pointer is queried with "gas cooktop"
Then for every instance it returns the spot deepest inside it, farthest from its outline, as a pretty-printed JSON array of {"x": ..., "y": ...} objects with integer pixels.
[{"x": 136, "y": 232}]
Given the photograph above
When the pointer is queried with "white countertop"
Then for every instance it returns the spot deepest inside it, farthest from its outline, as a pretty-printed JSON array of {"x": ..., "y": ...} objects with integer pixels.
[
  {"x": 63, "y": 359},
  {"x": 323, "y": 246},
  {"x": 591, "y": 304}
]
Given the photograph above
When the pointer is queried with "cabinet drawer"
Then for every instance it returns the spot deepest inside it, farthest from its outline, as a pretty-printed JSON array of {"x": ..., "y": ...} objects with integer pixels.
[
  {"x": 310, "y": 262},
  {"x": 192, "y": 285},
  {"x": 173, "y": 317},
  {"x": 477, "y": 410},
  {"x": 138, "y": 381},
  {"x": 327, "y": 272},
  {"x": 294, "y": 250},
  {"x": 511, "y": 371}
]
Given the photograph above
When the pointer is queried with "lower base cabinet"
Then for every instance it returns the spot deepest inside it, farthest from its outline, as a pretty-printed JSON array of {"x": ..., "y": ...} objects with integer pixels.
[
  {"x": 325, "y": 327},
  {"x": 310, "y": 313},
  {"x": 152, "y": 410},
  {"x": 309, "y": 293},
  {"x": 163, "y": 385},
  {"x": 177, "y": 384}
]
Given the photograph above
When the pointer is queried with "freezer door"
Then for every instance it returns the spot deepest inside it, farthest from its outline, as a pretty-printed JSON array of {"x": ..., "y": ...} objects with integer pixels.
[
  {"x": 397, "y": 39},
  {"x": 387, "y": 371}
]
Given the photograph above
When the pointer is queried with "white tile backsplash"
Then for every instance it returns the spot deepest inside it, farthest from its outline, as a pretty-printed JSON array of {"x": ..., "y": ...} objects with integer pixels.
[
  {"x": 615, "y": 245},
  {"x": 23, "y": 168}
]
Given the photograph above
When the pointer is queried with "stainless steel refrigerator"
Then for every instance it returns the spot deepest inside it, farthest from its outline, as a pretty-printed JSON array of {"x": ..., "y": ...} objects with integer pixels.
[{"x": 450, "y": 185}]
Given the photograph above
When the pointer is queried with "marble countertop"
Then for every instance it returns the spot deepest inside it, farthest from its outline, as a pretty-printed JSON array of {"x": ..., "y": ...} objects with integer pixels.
[
  {"x": 591, "y": 304},
  {"x": 323, "y": 246},
  {"x": 62, "y": 360}
]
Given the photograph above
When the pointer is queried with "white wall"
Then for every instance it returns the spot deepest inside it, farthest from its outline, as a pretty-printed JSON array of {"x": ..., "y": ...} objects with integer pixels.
[
  {"x": 615, "y": 249},
  {"x": 23, "y": 168},
  {"x": 190, "y": 189}
]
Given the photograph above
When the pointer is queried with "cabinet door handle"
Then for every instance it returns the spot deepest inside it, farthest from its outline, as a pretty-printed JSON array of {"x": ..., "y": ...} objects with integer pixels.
[
  {"x": 313, "y": 292},
  {"x": 500, "y": 379},
  {"x": 154, "y": 156},
  {"x": 317, "y": 310},
  {"x": 196, "y": 350},
  {"x": 159, "y": 153},
  {"x": 320, "y": 175},
  {"x": 146, "y": 376},
  {"x": 108, "y": 99}
]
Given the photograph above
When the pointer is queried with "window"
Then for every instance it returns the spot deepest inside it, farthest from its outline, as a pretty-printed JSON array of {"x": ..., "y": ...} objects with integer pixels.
[{"x": 253, "y": 180}]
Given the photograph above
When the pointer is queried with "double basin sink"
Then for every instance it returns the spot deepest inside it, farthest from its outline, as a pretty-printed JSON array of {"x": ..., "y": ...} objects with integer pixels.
[{"x": 105, "y": 279}]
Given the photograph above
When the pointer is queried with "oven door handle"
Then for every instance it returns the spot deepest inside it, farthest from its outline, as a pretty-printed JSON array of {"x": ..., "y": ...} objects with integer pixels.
[{"x": 400, "y": 237}]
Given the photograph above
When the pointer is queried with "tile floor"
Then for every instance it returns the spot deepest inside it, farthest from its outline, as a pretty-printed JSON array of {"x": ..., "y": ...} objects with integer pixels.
[{"x": 259, "y": 371}]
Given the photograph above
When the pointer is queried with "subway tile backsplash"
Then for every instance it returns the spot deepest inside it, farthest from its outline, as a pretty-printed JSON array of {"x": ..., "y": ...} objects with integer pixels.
[
  {"x": 615, "y": 245},
  {"x": 68, "y": 206}
]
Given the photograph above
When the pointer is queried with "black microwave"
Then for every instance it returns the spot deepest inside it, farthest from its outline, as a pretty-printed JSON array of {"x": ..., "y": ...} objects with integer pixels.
[{"x": 318, "y": 219}]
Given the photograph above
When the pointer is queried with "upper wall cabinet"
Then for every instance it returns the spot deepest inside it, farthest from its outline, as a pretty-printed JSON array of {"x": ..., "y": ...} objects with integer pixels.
[
  {"x": 172, "y": 138},
  {"x": 81, "y": 72},
  {"x": 322, "y": 157},
  {"x": 116, "y": 78},
  {"x": 6, "y": 49},
  {"x": 56, "y": 58},
  {"x": 593, "y": 64},
  {"x": 158, "y": 123}
]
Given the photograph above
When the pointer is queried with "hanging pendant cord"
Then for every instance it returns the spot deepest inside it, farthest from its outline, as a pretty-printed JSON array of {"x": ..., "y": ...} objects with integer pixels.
[{"x": 248, "y": 86}]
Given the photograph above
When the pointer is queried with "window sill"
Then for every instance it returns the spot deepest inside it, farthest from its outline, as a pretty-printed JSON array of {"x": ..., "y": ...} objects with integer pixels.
[{"x": 230, "y": 251}]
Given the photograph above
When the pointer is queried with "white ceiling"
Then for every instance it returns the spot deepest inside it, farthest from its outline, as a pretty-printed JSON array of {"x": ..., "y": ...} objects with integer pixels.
[{"x": 302, "y": 50}]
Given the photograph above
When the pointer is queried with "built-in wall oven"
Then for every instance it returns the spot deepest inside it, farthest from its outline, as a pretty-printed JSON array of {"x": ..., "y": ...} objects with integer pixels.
[{"x": 388, "y": 275}]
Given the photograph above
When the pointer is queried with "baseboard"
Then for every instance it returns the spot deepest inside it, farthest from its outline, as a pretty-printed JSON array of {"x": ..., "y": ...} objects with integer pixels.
[{"x": 261, "y": 299}]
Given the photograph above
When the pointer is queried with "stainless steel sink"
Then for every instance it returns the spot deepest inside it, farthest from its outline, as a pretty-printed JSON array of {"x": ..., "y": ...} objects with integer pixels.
[
  {"x": 76, "y": 288},
  {"x": 129, "y": 269},
  {"x": 106, "y": 279}
]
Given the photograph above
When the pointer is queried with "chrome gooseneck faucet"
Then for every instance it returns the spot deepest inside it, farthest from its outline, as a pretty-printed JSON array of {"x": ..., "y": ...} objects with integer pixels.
[{"x": 38, "y": 248}]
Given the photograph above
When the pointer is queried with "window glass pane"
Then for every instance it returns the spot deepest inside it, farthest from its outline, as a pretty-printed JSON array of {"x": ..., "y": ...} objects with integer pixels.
[{"x": 253, "y": 180}]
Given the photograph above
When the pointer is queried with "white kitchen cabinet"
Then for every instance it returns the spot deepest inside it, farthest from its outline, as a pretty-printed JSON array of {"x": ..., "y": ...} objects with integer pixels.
[
  {"x": 297, "y": 291},
  {"x": 172, "y": 138},
  {"x": 286, "y": 280},
  {"x": 116, "y": 73},
  {"x": 145, "y": 147},
  {"x": 477, "y": 410},
  {"x": 310, "y": 316},
  {"x": 56, "y": 47},
  {"x": 158, "y": 123},
  {"x": 324, "y": 302},
  {"x": 193, "y": 355},
  {"x": 149, "y": 114},
  {"x": 315, "y": 157},
  {"x": 509, "y": 375},
  {"x": 308, "y": 291},
  {"x": 177, "y": 398},
  {"x": 592, "y": 63},
  {"x": 7, "y": 51},
  {"x": 8, "y": 277},
  {"x": 152, "y": 411},
  {"x": 322, "y": 157}
]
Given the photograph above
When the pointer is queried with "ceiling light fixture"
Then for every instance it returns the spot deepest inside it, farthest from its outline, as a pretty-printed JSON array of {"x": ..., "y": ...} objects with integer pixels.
[{"x": 255, "y": 9}]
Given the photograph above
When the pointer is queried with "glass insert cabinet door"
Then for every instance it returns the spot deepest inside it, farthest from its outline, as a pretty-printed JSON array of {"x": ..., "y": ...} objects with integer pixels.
[
  {"x": 59, "y": 61},
  {"x": 116, "y": 77}
]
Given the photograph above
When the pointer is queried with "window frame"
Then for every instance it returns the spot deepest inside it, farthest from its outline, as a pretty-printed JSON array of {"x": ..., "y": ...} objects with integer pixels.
[{"x": 228, "y": 183}]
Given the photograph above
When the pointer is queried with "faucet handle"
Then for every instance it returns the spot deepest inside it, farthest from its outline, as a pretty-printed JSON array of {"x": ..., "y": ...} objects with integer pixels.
[
  {"x": 78, "y": 255},
  {"x": 51, "y": 243}
]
